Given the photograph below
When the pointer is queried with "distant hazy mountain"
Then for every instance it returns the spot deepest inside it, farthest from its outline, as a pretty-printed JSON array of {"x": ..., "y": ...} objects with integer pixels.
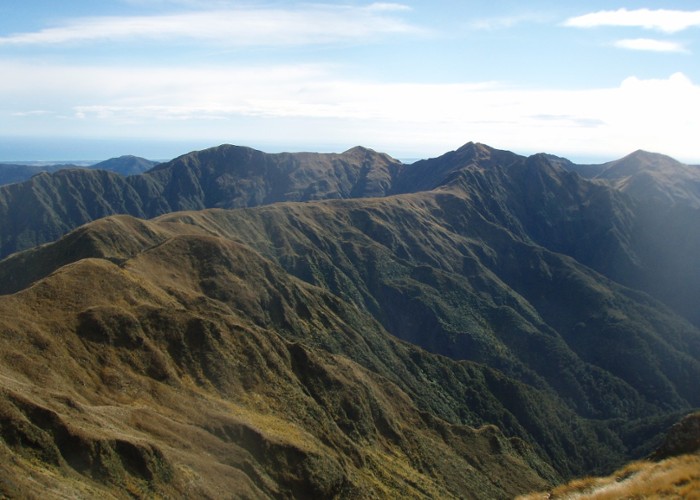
[
  {"x": 124, "y": 165},
  {"x": 12, "y": 173},
  {"x": 649, "y": 176}
]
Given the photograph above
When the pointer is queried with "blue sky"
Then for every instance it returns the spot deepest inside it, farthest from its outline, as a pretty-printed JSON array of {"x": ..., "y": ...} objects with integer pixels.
[{"x": 156, "y": 78}]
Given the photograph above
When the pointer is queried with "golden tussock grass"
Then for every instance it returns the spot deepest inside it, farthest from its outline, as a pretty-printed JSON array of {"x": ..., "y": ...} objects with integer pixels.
[{"x": 677, "y": 477}]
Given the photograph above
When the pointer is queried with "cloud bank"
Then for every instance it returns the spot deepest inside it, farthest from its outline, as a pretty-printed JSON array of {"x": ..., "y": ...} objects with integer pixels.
[
  {"x": 651, "y": 45},
  {"x": 311, "y": 24},
  {"x": 301, "y": 103},
  {"x": 668, "y": 21}
]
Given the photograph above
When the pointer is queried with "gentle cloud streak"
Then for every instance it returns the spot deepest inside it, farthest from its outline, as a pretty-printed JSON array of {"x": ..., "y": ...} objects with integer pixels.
[
  {"x": 668, "y": 21},
  {"x": 651, "y": 45},
  {"x": 313, "y": 24},
  {"x": 504, "y": 22},
  {"x": 309, "y": 103}
]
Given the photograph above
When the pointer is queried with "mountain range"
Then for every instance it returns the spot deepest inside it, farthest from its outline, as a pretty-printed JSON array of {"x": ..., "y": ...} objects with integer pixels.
[
  {"x": 11, "y": 173},
  {"x": 481, "y": 324}
]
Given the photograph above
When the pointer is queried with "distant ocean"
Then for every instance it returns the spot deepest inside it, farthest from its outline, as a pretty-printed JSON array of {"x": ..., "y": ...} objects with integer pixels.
[{"x": 69, "y": 150}]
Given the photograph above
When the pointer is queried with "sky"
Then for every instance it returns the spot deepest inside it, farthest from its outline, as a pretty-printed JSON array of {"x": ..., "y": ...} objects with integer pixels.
[{"x": 591, "y": 81}]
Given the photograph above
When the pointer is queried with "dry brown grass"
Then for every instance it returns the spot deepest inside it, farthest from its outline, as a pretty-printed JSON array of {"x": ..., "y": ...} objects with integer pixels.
[
  {"x": 676, "y": 477},
  {"x": 166, "y": 376}
]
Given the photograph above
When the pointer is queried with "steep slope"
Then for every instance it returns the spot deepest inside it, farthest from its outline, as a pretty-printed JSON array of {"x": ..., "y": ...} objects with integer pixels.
[
  {"x": 641, "y": 243},
  {"x": 49, "y": 205},
  {"x": 429, "y": 174},
  {"x": 199, "y": 368},
  {"x": 260, "y": 350},
  {"x": 662, "y": 234},
  {"x": 124, "y": 165},
  {"x": 468, "y": 289},
  {"x": 230, "y": 177},
  {"x": 645, "y": 244}
]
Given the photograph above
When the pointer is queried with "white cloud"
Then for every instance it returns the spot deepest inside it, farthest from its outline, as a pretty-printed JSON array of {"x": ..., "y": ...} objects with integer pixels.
[
  {"x": 310, "y": 105},
  {"x": 32, "y": 112},
  {"x": 668, "y": 21},
  {"x": 651, "y": 45},
  {"x": 504, "y": 22},
  {"x": 311, "y": 24},
  {"x": 386, "y": 6}
]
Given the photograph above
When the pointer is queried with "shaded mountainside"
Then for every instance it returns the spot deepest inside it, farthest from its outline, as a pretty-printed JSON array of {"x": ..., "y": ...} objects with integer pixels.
[
  {"x": 49, "y": 205},
  {"x": 665, "y": 225},
  {"x": 11, "y": 173},
  {"x": 435, "y": 273}
]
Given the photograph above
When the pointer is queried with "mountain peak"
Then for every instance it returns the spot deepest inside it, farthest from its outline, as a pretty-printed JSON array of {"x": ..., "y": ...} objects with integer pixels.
[
  {"x": 364, "y": 153},
  {"x": 359, "y": 149},
  {"x": 126, "y": 165},
  {"x": 476, "y": 149},
  {"x": 651, "y": 159},
  {"x": 639, "y": 161}
]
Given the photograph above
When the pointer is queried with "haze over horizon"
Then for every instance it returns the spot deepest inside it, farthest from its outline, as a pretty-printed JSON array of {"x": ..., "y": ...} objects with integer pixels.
[{"x": 158, "y": 78}]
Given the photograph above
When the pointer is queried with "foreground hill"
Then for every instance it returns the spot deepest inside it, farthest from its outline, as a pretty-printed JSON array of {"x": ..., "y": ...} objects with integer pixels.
[{"x": 198, "y": 368}]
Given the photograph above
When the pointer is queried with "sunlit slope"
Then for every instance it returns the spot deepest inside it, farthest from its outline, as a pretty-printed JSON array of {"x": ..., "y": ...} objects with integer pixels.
[{"x": 199, "y": 368}]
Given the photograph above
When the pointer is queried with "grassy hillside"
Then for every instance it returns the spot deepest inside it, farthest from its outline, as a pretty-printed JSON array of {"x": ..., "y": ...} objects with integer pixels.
[{"x": 197, "y": 367}]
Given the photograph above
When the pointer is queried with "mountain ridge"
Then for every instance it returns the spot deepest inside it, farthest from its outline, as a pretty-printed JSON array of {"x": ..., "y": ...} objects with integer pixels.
[{"x": 612, "y": 231}]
